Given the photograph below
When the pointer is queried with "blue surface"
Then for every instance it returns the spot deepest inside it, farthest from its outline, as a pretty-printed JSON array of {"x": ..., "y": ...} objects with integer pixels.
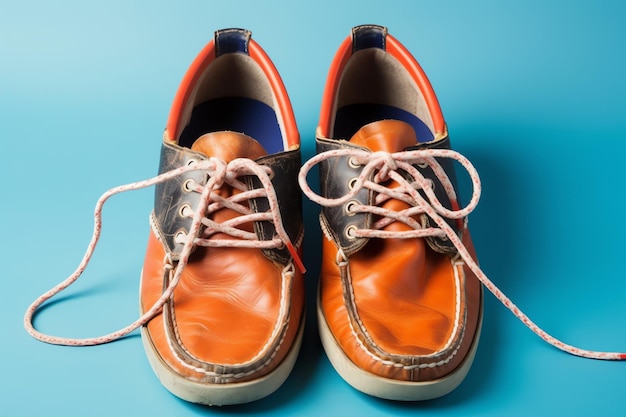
[{"x": 533, "y": 93}]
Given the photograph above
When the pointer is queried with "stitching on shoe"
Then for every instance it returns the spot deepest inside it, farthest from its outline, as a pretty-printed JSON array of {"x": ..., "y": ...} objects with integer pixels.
[
  {"x": 226, "y": 172},
  {"x": 229, "y": 375},
  {"x": 453, "y": 336},
  {"x": 284, "y": 323}
]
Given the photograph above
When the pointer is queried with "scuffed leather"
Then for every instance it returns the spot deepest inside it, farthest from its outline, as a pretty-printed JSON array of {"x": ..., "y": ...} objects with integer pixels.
[
  {"x": 404, "y": 305},
  {"x": 335, "y": 177},
  {"x": 396, "y": 307},
  {"x": 223, "y": 323},
  {"x": 439, "y": 244},
  {"x": 222, "y": 313},
  {"x": 171, "y": 196},
  {"x": 285, "y": 167}
]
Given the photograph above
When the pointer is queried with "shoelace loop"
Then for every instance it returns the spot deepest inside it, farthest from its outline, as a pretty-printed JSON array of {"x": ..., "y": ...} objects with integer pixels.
[
  {"x": 383, "y": 165},
  {"x": 219, "y": 173}
]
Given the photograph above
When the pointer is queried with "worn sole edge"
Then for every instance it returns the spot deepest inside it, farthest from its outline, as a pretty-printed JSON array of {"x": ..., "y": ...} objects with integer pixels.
[
  {"x": 386, "y": 388},
  {"x": 221, "y": 394}
]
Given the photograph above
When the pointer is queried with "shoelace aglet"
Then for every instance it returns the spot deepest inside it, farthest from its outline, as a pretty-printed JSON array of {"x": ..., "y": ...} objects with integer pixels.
[{"x": 296, "y": 258}]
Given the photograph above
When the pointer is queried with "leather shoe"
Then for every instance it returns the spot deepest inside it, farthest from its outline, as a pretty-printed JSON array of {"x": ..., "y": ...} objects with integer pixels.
[
  {"x": 399, "y": 311},
  {"x": 225, "y": 234}
]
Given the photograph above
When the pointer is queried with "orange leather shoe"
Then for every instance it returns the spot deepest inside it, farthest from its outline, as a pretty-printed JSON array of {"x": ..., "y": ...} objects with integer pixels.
[
  {"x": 225, "y": 237},
  {"x": 399, "y": 311}
]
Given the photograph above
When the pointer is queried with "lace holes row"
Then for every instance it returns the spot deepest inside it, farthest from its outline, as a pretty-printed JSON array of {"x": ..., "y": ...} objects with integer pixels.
[
  {"x": 349, "y": 207},
  {"x": 350, "y": 232}
]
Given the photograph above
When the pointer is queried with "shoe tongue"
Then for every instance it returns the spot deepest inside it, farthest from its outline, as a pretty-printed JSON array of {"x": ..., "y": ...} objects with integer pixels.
[
  {"x": 392, "y": 136},
  {"x": 388, "y": 136},
  {"x": 385, "y": 135},
  {"x": 228, "y": 145}
]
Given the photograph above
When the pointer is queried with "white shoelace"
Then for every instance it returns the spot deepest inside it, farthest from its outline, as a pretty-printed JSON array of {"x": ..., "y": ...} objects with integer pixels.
[
  {"x": 385, "y": 166},
  {"x": 219, "y": 173}
]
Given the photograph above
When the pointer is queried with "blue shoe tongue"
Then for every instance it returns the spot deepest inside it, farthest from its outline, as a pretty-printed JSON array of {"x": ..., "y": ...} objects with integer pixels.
[
  {"x": 385, "y": 135},
  {"x": 228, "y": 145}
]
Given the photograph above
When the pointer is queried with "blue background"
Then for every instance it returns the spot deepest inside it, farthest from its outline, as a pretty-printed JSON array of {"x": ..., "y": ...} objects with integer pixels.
[{"x": 533, "y": 93}]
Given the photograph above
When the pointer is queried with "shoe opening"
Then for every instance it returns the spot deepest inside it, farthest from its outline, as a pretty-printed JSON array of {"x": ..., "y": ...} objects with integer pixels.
[
  {"x": 233, "y": 94},
  {"x": 376, "y": 86}
]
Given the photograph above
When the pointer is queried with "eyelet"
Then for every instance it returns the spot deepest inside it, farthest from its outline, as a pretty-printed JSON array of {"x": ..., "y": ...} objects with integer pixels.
[
  {"x": 180, "y": 237},
  {"x": 422, "y": 164},
  {"x": 353, "y": 163},
  {"x": 352, "y": 183},
  {"x": 183, "y": 209},
  {"x": 350, "y": 232},
  {"x": 189, "y": 185},
  {"x": 348, "y": 207},
  {"x": 192, "y": 161}
]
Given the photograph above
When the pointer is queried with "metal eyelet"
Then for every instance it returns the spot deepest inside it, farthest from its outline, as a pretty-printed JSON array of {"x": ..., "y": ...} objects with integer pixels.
[
  {"x": 189, "y": 185},
  {"x": 352, "y": 183},
  {"x": 353, "y": 163},
  {"x": 350, "y": 232},
  {"x": 180, "y": 237},
  {"x": 348, "y": 208},
  {"x": 192, "y": 161},
  {"x": 184, "y": 208}
]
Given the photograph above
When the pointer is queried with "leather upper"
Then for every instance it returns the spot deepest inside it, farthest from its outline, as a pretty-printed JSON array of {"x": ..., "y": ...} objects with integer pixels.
[
  {"x": 171, "y": 196},
  {"x": 336, "y": 177},
  {"x": 238, "y": 309},
  {"x": 400, "y": 308}
]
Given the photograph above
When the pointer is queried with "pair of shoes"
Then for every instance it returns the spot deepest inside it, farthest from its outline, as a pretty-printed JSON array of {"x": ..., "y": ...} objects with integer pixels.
[
  {"x": 399, "y": 315},
  {"x": 222, "y": 294}
]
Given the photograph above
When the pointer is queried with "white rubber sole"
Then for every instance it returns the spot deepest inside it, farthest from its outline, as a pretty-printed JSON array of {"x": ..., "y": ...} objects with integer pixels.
[
  {"x": 221, "y": 394},
  {"x": 386, "y": 388}
]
